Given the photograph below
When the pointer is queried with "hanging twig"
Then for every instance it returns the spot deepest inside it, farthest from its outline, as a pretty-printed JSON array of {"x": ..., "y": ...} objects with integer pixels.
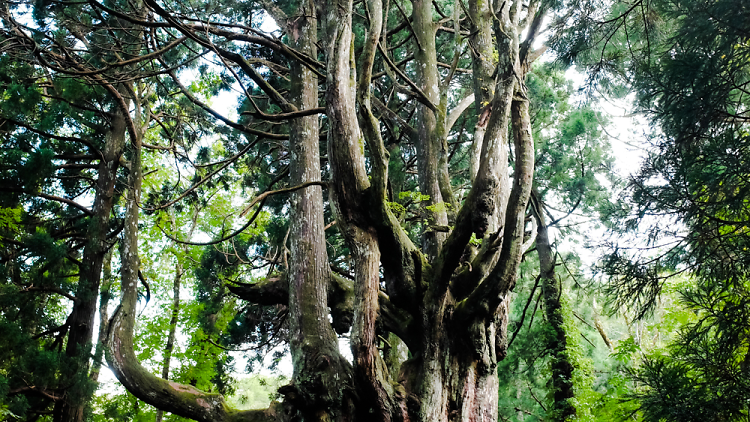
[{"x": 525, "y": 308}]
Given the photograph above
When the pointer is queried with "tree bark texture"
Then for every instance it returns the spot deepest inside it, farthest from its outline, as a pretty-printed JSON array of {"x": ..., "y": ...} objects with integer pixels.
[
  {"x": 448, "y": 378},
  {"x": 104, "y": 298},
  {"x": 319, "y": 369},
  {"x": 431, "y": 115}
]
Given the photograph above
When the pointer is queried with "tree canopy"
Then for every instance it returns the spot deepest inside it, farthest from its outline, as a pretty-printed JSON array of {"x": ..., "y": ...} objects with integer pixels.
[{"x": 281, "y": 175}]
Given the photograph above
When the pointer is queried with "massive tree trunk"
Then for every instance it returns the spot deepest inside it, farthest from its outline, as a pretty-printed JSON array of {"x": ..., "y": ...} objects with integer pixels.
[
  {"x": 451, "y": 313},
  {"x": 451, "y": 376},
  {"x": 80, "y": 336}
]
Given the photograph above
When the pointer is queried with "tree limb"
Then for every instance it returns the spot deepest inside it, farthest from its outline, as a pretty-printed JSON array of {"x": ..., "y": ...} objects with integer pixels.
[
  {"x": 51, "y": 198},
  {"x": 458, "y": 110}
]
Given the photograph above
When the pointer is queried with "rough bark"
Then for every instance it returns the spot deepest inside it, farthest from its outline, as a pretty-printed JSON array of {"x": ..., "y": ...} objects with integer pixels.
[
  {"x": 430, "y": 143},
  {"x": 451, "y": 317},
  {"x": 483, "y": 66},
  {"x": 319, "y": 368},
  {"x": 104, "y": 297},
  {"x": 351, "y": 190}
]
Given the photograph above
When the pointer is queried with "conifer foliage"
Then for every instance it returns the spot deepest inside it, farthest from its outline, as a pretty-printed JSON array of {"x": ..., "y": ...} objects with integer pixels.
[{"x": 687, "y": 62}]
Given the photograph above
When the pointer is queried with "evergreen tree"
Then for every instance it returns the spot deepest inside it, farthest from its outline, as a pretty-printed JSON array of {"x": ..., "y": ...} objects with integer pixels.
[
  {"x": 68, "y": 90},
  {"x": 687, "y": 62},
  {"x": 63, "y": 141}
]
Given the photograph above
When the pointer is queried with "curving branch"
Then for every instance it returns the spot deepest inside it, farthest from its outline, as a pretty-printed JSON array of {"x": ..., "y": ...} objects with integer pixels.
[
  {"x": 267, "y": 292},
  {"x": 354, "y": 195},
  {"x": 489, "y": 295},
  {"x": 179, "y": 399},
  {"x": 205, "y": 179},
  {"x": 226, "y": 121},
  {"x": 266, "y": 41},
  {"x": 51, "y": 198},
  {"x": 458, "y": 110},
  {"x": 421, "y": 96},
  {"x": 284, "y": 116}
]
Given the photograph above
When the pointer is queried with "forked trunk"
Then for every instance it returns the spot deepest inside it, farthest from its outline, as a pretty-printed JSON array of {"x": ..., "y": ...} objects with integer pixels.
[
  {"x": 455, "y": 379},
  {"x": 451, "y": 313}
]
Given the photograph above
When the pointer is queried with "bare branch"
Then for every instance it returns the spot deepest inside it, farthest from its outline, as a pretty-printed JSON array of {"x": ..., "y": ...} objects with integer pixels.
[
  {"x": 458, "y": 110},
  {"x": 421, "y": 97}
]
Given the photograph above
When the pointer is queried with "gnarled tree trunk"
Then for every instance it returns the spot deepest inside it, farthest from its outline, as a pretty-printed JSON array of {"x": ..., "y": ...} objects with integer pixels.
[{"x": 450, "y": 312}]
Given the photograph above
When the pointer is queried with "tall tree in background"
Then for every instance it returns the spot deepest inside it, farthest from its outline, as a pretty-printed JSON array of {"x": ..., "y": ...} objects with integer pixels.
[
  {"x": 72, "y": 78},
  {"x": 572, "y": 161},
  {"x": 688, "y": 64}
]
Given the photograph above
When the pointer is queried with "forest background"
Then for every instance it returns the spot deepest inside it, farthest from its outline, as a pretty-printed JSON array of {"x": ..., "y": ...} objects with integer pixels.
[{"x": 416, "y": 181}]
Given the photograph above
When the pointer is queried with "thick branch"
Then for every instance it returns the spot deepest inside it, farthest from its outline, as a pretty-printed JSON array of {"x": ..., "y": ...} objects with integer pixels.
[
  {"x": 284, "y": 116},
  {"x": 457, "y": 111},
  {"x": 51, "y": 198},
  {"x": 182, "y": 400},
  {"x": 269, "y": 42},
  {"x": 275, "y": 291},
  {"x": 422, "y": 98},
  {"x": 533, "y": 31},
  {"x": 484, "y": 203},
  {"x": 350, "y": 189},
  {"x": 487, "y": 297},
  {"x": 370, "y": 125},
  {"x": 223, "y": 119},
  {"x": 270, "y": 291}
]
